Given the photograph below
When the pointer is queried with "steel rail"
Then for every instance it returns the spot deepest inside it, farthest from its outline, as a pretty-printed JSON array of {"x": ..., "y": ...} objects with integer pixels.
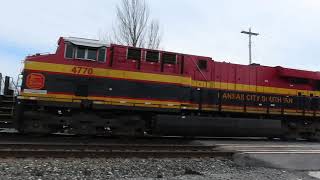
[{"x": 109, "y": 150}]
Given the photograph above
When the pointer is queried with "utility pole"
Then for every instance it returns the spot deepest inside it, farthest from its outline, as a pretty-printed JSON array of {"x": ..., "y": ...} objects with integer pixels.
[{"x": 250, "y": 34}]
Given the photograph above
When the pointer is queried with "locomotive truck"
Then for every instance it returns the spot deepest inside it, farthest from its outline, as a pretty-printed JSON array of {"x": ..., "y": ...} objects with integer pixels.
[{"x": 93, "y": 88}]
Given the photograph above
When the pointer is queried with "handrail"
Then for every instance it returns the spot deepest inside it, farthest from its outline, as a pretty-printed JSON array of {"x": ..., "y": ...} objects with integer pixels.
[
  {"x": 14, "y": 86},
  {"x": 12, "y": 81},
  {"x": 39, "y": 54},
  {"x": 2, "y": 87}
]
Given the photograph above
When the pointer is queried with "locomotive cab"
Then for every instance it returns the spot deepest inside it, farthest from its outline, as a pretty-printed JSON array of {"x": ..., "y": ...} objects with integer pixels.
[
  {"x": 74, "y": 57},
  {"x": 85, "y": 54},
  {"x": 83, "y": 49}
]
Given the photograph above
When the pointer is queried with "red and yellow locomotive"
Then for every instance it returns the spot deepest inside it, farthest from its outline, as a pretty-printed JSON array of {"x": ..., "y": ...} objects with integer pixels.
[{"x": 89, "y": 87}]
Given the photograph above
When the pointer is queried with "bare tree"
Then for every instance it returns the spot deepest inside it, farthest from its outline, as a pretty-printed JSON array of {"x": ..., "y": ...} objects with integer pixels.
[
  {"x": 104, "y": 36},
  {"x": 133, "y": 27},
  {"x": 154, "y": 36}
]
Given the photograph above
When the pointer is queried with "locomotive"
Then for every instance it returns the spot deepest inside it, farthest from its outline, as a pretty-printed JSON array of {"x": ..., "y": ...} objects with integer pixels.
[{"x": 88, "y": 87}]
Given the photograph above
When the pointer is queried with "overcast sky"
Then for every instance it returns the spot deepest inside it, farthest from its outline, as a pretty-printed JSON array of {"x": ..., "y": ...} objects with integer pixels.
[{"x": 289, "y": 28}]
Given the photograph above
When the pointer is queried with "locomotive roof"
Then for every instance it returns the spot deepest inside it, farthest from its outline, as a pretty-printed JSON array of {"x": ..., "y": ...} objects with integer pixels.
[{"x": 86, "y": 42}]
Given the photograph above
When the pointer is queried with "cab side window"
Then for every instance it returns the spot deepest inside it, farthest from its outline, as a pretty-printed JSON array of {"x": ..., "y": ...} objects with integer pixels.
[
  {"x": 81, "y": 53},
  {"x": 85, "y": 53},
  {"x": 69, "y": 52},
  {"x": 101, "y": 54},
  {"x": 92, "y": 54}
]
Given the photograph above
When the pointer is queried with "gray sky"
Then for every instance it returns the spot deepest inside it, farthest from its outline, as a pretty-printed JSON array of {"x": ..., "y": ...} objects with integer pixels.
[{"x": 289, "y": 28}]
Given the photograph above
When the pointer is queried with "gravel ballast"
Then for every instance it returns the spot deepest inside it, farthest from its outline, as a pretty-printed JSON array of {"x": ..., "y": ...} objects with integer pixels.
[{"x": 135, "y": 168}]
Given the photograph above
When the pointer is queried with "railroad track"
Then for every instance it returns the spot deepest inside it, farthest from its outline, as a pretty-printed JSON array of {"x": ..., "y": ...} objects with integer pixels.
[
  {"x": 23, "y": 150},
  {"x": 17, "y": 145}
]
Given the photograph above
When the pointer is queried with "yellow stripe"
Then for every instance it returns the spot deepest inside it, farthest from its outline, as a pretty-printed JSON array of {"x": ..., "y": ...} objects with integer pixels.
[
  {"x": 151, "y": 103},
  {"x": 93, "y": 98},
  {"x": 111, "y": 73},
  {"x": 187, "y": 81}
]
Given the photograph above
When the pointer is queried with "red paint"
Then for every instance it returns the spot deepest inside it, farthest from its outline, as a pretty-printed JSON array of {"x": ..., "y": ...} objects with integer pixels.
[{"x": 216, "y": 71}]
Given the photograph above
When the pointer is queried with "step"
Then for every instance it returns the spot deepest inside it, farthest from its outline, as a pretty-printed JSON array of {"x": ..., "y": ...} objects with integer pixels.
[
  {"x": 8, "y": 96},
  {"x": 4, "y": 124},
  {"x": 6, "y": 107},
  {"x": 5, "y": 121},
  {"x": 5, "y": 112},
  {"x": 5, "y": 115},
  {"x": 7, "y": 101}
]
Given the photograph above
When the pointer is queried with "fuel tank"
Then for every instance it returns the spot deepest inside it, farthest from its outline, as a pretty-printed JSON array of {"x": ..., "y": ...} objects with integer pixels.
[{"x": 173, "y": 125}]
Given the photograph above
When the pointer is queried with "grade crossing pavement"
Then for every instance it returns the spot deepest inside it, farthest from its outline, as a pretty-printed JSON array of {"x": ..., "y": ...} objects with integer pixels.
[{"x": 297, "y": 155}]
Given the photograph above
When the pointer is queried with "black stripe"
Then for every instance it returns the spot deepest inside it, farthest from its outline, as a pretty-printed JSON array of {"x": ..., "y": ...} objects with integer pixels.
[
  {"x": 94, "y": 86},
  {"x": 114, "y": 87}
]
